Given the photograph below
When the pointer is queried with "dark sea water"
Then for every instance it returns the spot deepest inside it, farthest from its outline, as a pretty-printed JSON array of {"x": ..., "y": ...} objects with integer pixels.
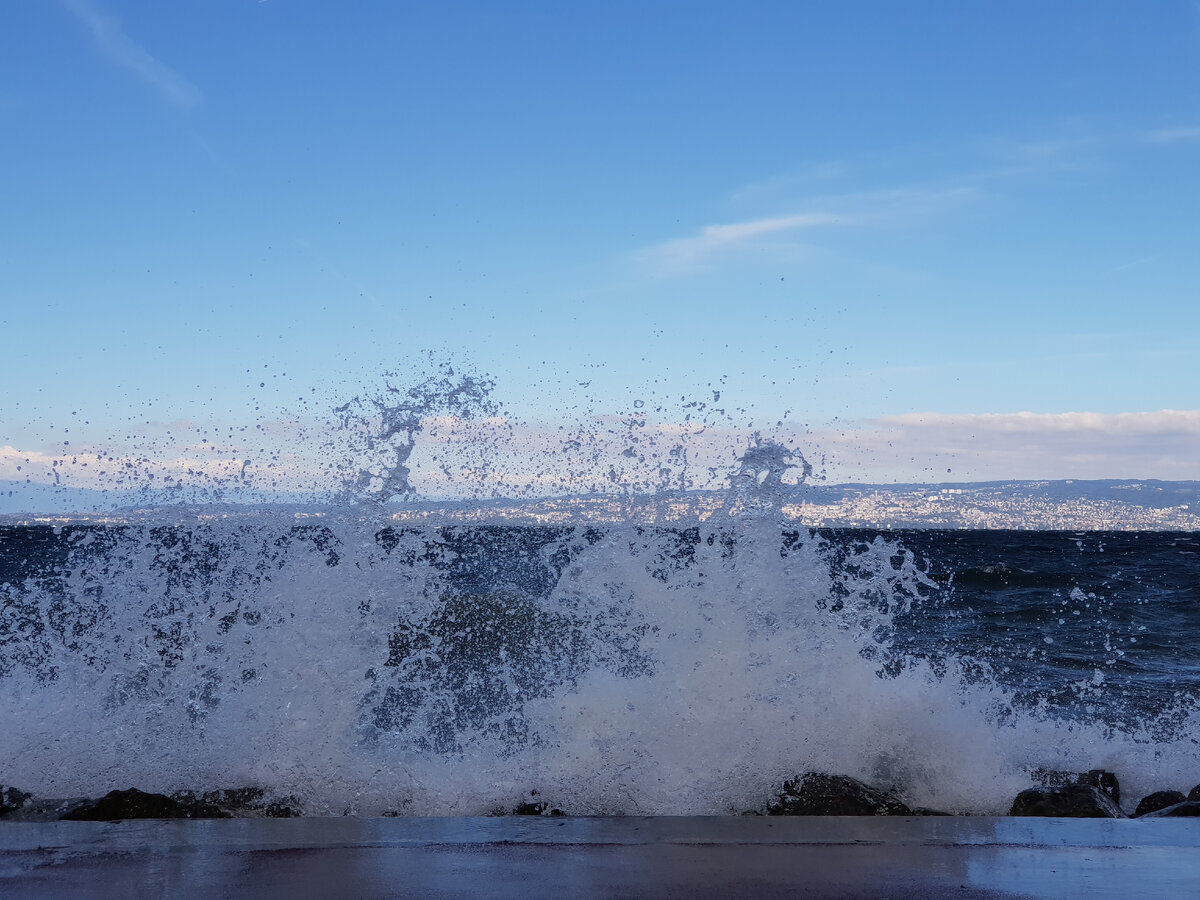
[
  {"x": 1100, "y": 625},
  {"x": 363, "y": 665}
]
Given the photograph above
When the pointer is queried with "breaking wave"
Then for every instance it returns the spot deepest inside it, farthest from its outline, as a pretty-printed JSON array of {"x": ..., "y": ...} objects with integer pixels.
[{"x": 369, "y": 657}]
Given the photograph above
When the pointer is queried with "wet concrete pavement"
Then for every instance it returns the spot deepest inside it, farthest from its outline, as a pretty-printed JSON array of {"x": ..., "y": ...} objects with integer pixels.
[{"x": 515, "y": 857}]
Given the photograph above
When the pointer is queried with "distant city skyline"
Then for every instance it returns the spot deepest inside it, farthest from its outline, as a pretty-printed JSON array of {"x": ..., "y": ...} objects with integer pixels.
[{"x": 931, "y": 242}]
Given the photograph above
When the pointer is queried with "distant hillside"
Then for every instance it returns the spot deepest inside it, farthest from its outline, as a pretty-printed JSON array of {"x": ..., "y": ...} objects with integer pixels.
[
  {"x": 1150, "y": 493},
  {"x": 1067, "y": 504},
  {"x": 1124, "y": 504}
]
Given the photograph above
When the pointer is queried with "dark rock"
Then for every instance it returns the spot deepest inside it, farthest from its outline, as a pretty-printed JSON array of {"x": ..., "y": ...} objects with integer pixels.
[
  {"x": 135, "y": 804},
  {"x": 1105, "y": 780},
  {"x": 253, "y": 800},
  {"x": 246, "y": 798},
  {"x": 1156, "y": 801},
  {"x": 1176, "y": 810},
  {"x": 817, "y": 794},
  {"x": 1097, "y": 778},
  {"x": 246, "y": 802},
  {"x": 1080, "y": 801},
  {"x": 12, "y": 799},
  {"x": 1194, "y": 793},
  {"x": 535, "y": 807}
]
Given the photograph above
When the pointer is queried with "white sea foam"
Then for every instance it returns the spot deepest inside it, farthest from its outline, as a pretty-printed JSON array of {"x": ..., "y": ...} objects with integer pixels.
[{"x": 661, "y": 682}]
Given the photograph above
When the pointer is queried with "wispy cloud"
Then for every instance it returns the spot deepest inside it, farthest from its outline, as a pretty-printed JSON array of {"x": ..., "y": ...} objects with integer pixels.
[
  {"x": 716, "y": 243},
  {"x": 1134, "y": 263},
  {"x": 790, "y": 182},
  {"x": 1049, "y": 156},
  {"x": 1174, "y": 135},
  {"x": 687, "y": 254},
  {"x": 927, "y": 180},
  {"x": 121, "y": 50},
  {"x": 724, "y": 235}
]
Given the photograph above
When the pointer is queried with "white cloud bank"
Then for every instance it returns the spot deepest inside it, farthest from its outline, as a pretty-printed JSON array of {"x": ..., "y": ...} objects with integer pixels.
[
  {"x": 1167, "y": 421},
  {"x": 497, "y": 457},
  {"x": 1023, "y": 445}
]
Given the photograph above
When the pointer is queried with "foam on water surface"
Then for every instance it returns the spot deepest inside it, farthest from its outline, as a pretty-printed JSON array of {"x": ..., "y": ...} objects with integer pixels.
[{"x": 452, "y": 671}]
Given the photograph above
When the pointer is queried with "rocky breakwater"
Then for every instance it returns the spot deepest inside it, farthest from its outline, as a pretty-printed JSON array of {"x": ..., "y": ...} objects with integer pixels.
[
  {"x": 1092, "y": 794},
  {"x": 117, "y": 805},
  {"x": 1097, "y": 794},
  {"x": 818, "y": 794}
]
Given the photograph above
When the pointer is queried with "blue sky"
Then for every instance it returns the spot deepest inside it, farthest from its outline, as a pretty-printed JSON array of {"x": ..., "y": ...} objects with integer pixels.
[{"x": 892, "y": 228}]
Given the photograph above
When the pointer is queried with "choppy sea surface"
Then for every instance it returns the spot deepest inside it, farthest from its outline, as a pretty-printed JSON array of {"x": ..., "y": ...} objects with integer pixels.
[{"x": 368, "y": 666}]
